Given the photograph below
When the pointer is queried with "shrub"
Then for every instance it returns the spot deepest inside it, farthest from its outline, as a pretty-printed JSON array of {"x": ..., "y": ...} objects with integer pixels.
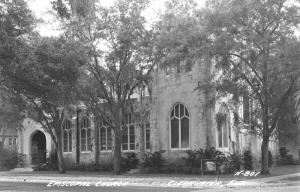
[
  {"x": 154, "y": 161},
  {"x": 233, "y": 163},
  {"x": 285, "y": 158},
  {"x": 21, "y": 159},
  {"x": 106, "y": 167},
  {"x": 220, "y": 158},
  {"x": 8, "y": 159},
  {"x": 270, "y": 159},
  {"x": 210, "y": 153},
  {"x": 216, "y": 156},
  {"x": 50, "y": 165},
  {"x": 247, "y": 160},
  {"x": 194, "y": 159},
  {"x": 283, "y": 152},
  {"x": 90, "y": 167},
  {"x": 130, "y": 161},
  {"x": 175, "y": 168}
]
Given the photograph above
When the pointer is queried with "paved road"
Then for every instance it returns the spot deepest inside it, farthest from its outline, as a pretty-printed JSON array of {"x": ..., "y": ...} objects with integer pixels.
[
  {"x": 34, "y": 187},
  {"x": 262, "y": 189}
]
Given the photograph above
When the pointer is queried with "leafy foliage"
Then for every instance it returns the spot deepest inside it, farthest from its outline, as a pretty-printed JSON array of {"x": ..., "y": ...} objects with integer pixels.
[
  {"x": 130, "y": 161},
  {"x": 9, "y": 159},
  {"x": 270, "y": 159},
  {"x": 233, "y": 163},
  {"x": 285, "y": 158},
  {"x": 247, "y": 160},
  {"x": 194, "y": 158},
  {"x": 154, "y": 161},
  {"x": 40, "y": 72},
  {"x": 60, "y": 6},
  {"x": 120, "y": 58},
  {"x": 251, "y": 48}
]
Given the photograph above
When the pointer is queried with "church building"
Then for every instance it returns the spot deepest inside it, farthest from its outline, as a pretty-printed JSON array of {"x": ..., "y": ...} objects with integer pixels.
[{"x": 179, "y": 119}]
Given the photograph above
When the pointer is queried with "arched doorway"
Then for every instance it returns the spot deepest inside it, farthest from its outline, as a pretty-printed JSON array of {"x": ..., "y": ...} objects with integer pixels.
[{"x": 38, "y": 148}]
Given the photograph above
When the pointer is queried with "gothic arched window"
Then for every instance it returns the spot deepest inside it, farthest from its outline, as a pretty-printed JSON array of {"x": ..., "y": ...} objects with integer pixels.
[
  {"x": 67, "y": 136},
  {"x": 180, "y": 127},
  {"x": 105, "y": 136},
  {"x": 128, "y": 133},
  {"x": 85, "y": 135}
]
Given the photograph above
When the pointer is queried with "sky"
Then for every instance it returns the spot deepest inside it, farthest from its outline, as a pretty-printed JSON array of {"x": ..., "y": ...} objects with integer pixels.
[
  {"x": 42, "y": 10},
  {"x": 50, "y": 26}
]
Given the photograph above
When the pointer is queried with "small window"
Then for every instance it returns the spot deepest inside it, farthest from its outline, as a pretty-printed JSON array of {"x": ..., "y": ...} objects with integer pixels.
[
  {"x": 188, "y": 65},
  {"x": 12, "y": 141}
]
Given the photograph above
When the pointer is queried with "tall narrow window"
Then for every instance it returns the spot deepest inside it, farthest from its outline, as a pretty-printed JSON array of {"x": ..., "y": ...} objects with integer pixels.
[
  {"x": 10, "y": 141},
  {"x": 128, "y": 134},
  {"x": 14, "y": 141},
  {"x": 180, "y": 127},
  {"x": 246, "y": 110},
  {"x": 85, "y": 135},
  {"x": 105, "y": 137},
  {"x": 67, "y": 136},
  {"x": 188, "y": 65},
  {"x": 223, "y": 129},
  {"x": 147, "y": 135}
]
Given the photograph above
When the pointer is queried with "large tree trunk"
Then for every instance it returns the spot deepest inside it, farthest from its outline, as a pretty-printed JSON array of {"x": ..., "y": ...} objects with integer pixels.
[
  {"x": 264, "y": 157},
  {"x": 117, "y": 150},
  {"x": 265, "y": 143},
  {"x": 77, "y": 137},
  {"x": 1, "y": 145},
  {"x": 142, "y": 140},
  {"x": 61, "y": 163},
  {"x": 97, "y": 123},
  {"x": 265, "y": 116},
  {"x": 237, "y": 144}
]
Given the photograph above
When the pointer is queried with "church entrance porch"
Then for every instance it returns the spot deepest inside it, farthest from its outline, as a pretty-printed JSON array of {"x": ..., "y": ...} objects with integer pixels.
[{"x": 38, "y": 148}]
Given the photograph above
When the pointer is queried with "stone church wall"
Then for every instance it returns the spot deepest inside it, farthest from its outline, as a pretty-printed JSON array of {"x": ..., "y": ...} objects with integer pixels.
[{"x": 172, "y": 89}]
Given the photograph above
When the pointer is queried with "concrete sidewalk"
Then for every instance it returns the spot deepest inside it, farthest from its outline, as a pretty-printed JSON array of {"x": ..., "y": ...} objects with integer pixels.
[
  {"x": 67, "y": 180},
  {"x": 267, "y": 181},
  {"x": 152, "y": 180}
]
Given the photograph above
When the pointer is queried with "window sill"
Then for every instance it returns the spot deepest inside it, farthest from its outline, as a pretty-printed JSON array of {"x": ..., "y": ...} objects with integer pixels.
[
  {"x": 69, "y": 152},
  {"x": 179, "y": 149},
  {"x": 125, "y": 151},
  {"x": 85, "y": 151},
  {"x": 223, "y": 149},
  {"x": 105, "y": 151}
]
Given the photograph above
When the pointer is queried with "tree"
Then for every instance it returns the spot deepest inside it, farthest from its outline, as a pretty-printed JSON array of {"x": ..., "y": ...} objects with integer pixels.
[
  {"x": 120, "y": 58},
  {"x": 44, "y": 76},
  {"x": 16, "y": 26},
  {"x": 11, "y": 112},
  {"x": 288, "y": 125},
  {"x": 296, "y": 100},
  {"x": 253, "y": 50}
]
